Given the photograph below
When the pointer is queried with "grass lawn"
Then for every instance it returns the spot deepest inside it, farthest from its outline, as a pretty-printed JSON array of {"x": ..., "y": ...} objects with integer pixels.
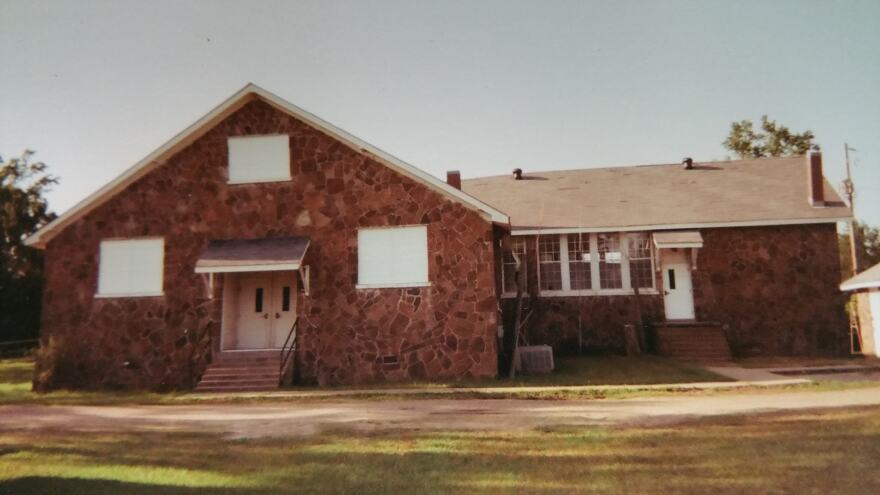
[
  {"x": 16, "y": 375},
  {"x": 807, "y": 453},
  {"x": 634, "y": 374}
]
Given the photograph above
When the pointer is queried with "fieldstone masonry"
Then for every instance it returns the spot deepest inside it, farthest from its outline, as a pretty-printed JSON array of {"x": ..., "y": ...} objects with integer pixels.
[
  {"x": 773, "y": 289},
  {"x": 444, "y": 331}
]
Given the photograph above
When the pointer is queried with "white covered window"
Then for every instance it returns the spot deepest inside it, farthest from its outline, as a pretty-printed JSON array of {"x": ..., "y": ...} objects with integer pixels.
[
  {"x": 259, "y": 158},
  {"x": 393, "y": 257},
  {"x": 131, "y": 267}
]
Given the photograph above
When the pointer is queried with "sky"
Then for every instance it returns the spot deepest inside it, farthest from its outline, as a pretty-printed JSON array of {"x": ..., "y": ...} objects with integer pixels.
[{"x": 478, "y": 86}]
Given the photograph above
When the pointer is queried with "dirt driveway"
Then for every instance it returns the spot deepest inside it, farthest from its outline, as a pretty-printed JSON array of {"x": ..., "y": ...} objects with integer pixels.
[{"x": 310, "y": 417}]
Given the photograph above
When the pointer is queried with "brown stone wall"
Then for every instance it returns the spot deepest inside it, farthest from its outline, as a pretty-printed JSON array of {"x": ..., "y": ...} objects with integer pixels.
[
  {"x": 593, "y": 323},
  {"x": 774, "y": 288},
  {"x": 346, "y": 335}
]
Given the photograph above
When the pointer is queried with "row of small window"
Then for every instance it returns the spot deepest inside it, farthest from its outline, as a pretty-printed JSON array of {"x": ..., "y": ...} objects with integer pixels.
[
  {"x": 585, "y": 262},
  {"x": 387, "y": 257}
]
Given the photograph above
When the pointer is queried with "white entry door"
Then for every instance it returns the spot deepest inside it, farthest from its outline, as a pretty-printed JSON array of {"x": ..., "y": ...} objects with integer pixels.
[
  {"x": 678, "y": 293},
  {"x": 266, "y": 309}
]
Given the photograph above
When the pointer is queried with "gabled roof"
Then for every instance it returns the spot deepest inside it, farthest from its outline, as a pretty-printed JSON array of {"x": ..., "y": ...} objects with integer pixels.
[
  {"x": 868, "y": 279},
  {"x": 225, "y": 109},
  {"x": 769, "y": 191}
]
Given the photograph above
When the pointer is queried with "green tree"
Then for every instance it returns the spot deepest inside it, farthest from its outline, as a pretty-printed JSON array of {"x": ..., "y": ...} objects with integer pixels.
[
  {"x": 23, "y": 209},
  {"x": 867, "y": 248},
  {"x": 773, "y": 140}
]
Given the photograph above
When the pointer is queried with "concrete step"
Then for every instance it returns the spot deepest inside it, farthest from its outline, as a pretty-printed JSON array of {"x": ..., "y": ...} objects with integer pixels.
[
  {"x": 269, "y": 382},
  {"x": 224, "y": 388},
  {"x": 234, "y": 371},
  {"x": 693, "y": 342}
]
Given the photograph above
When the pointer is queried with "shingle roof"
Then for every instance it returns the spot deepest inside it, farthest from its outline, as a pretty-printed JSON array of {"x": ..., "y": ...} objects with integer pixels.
[
  {"x": 868, "y": 279},
  {"x": 268, "y": 254},
  {"x": 760, "y": 192}
]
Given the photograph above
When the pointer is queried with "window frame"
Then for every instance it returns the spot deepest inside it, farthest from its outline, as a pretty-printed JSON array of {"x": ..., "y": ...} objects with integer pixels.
[
  {"x": 650, "y": 257},
  {"x": 596, "y": 287},
  {"x": 562, "y": 261},
  {"x": 523, "y": 243},
  {"x": 239, "y": 181},
  {"x": 104, "y": 294},
  {"x": 393, "y": 285}
]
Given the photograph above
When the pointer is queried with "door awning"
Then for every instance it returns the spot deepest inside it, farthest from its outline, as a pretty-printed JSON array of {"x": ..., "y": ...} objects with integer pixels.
[
  {"x": 678, "y": 239},
  {"x": 253, "y": 255}
]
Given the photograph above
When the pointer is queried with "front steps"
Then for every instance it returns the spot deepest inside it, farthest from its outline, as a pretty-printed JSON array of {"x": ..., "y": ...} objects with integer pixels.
[
  {"x": 241, "y": 371},
  {"x": 693, "y": 341}
]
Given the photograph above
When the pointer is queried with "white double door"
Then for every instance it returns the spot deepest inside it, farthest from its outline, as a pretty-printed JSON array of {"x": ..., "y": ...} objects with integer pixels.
[
  {"x": 678, "y": 292},
  {"x": 266, "y": 309}
]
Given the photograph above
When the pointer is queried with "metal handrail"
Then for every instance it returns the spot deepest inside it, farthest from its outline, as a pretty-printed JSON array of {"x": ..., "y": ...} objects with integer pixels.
[{"x": 287, "y": 351}]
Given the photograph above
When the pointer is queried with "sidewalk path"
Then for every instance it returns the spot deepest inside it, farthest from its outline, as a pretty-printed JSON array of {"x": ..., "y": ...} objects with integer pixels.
[{"x": 313, "y": 416}]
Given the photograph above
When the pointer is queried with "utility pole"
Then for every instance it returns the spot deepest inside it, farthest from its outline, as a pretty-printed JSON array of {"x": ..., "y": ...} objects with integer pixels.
[{"x": 849, "y": 190}]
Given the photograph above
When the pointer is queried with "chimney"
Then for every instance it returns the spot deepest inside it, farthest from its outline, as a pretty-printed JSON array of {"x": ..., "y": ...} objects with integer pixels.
[
  {"x": 815, "y": 180},
  {"x": 453, "y": 178}
]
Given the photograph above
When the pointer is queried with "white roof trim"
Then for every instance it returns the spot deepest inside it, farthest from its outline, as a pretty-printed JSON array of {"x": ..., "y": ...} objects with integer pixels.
[
  {"x": 860, "y": 285},
  {"x": 275, "y": 267},
  {"x": 635, "y": 228},
  {"x": 667, "y": 240},
  {"x": 203, "y": 125}
]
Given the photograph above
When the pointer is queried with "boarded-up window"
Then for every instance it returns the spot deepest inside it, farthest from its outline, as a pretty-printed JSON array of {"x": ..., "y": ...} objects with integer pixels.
[
  {"x": 259, "y": 158},
  {"x": 131, "y": 267},
  {"x": 393, "y": 257}
]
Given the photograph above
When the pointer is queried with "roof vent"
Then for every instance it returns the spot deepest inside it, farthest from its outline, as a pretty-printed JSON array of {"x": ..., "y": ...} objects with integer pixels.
[
  {"x": 688, "y": 163},
  {"x": 517, "y": 174}
]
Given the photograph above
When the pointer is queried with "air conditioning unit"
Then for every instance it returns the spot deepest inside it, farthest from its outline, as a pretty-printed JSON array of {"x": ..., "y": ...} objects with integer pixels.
[{"x": 534, "y": 359}]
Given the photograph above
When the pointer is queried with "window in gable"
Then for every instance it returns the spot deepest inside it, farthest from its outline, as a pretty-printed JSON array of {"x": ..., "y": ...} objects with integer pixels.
[
  {"x": 393, "y": 257},
  {"x": 258, "y": 159},
  {"x": 131, "y": 267}
]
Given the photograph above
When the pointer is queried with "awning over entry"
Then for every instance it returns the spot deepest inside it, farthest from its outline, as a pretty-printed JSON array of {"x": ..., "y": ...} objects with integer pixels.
[
  {"x": 253, "y": 255},
  {"x": 678, "y": 239}
]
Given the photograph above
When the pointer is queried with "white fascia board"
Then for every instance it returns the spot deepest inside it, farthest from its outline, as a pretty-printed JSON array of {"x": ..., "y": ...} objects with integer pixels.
[
  {"x": 636, "y": 228},
  {"x": 678, "y": 245},
  {"x": 859, "y": 285},
  {"x": 248, "y": 268},
  {"x": 221, "y": 111}
]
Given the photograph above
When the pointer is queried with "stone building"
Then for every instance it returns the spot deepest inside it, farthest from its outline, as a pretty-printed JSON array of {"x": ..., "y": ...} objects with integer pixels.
[
  {"x": 263, "y": 242},
  {"x": 742, "y": 253}
]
